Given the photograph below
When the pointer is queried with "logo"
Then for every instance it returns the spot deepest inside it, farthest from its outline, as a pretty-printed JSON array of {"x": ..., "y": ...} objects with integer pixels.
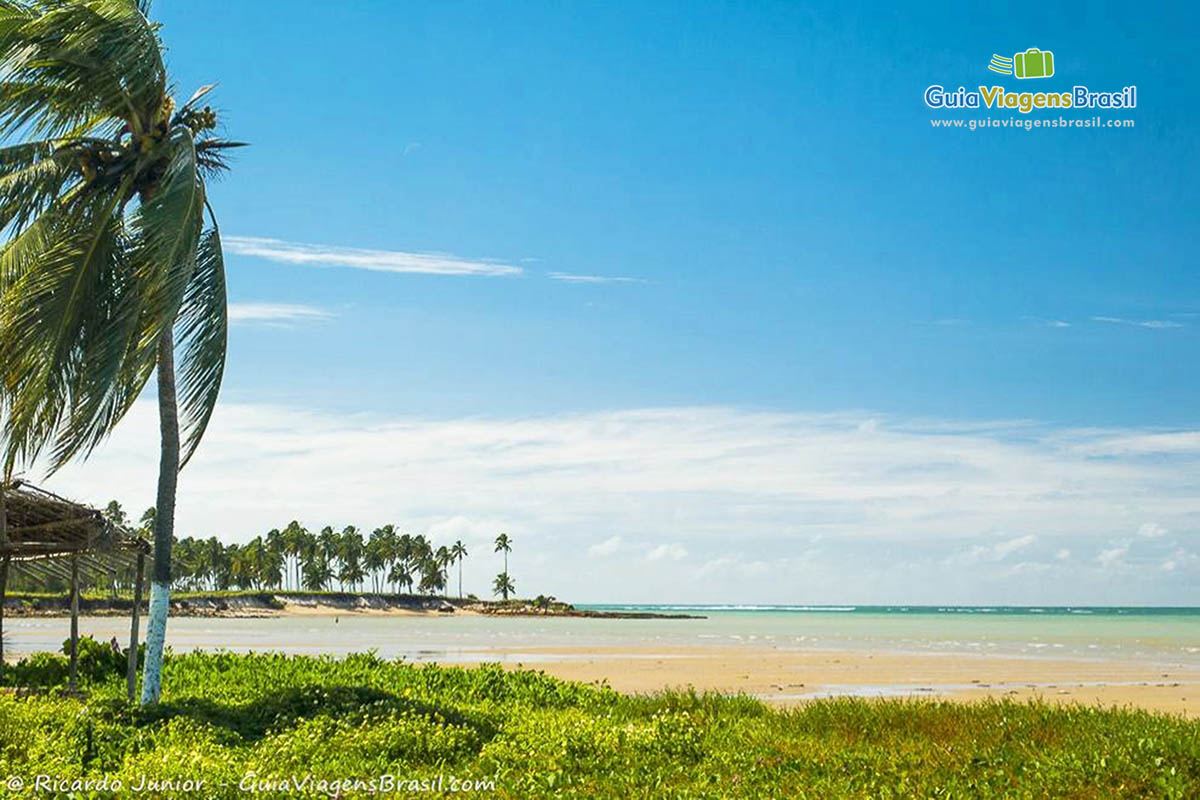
[{"x": 1033, "y": 63}]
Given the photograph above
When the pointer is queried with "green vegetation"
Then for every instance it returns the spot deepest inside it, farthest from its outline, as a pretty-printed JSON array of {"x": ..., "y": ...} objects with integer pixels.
[{"x": 223, "y": 716}]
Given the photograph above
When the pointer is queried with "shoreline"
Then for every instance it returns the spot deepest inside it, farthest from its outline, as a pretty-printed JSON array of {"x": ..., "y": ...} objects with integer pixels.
[{"x": 251, "y": 605}]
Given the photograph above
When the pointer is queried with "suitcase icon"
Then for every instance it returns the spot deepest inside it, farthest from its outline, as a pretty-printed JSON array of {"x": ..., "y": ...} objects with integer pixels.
[{"x": 1033, "y": 63}]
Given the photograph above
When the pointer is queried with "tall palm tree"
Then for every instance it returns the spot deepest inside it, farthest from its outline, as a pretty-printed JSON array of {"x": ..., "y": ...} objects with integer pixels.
[
  {"x": 350, "y": 556},
  {"x": 293, "y": 537},
  {"x": 375, "y": 557},
  {"x": 504, "y": 545},
  {"x": 328, "y": 545},
  {"x": 458, "y": 552},
  {"x": 109, "y": 256},
  {"x": 276, "y": 545}
]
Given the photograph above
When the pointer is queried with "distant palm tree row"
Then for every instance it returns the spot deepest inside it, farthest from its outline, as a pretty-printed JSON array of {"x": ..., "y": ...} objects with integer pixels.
[{"x": 293, "y": 558}]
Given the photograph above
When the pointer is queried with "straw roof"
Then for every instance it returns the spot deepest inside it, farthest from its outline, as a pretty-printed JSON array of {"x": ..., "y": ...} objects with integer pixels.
[{"x": 42, "y": 529}]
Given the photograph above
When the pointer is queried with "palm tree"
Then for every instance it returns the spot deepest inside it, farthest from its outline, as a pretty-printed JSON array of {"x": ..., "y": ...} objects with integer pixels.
[
  {"x": 146, "y": 523},
  {"x": 399, "y": 576},
  {"x": 504, "y": 544},
  {"x": 503, "y": 585},
  {"x": 375, "y": 557},
  {"x": 276, "y": 548},
  {"x": 115, "y": 514},
  {"x": 459, "y": 552},
  {"x": 109, "y": 255},
  {"x": 317, "y": 573},
  {"x": 350, "y": 555},
  {"x": 328, "y": 545},
  {"x": 294, "y": 536},
  {"x": 214, "y": 553}
]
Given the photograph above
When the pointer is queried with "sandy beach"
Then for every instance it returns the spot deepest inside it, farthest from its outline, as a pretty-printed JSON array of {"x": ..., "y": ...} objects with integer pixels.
[
  {"x": 788, "y": 677},
  {"x": 1144, "y": 661}
]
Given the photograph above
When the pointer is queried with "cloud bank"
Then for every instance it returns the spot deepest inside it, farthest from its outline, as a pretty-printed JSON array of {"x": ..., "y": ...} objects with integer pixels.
[{"x": 710, "y": 504}]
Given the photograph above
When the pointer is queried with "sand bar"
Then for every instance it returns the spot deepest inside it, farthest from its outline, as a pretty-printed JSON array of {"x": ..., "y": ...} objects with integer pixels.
[{"x": 786, "y": 677}]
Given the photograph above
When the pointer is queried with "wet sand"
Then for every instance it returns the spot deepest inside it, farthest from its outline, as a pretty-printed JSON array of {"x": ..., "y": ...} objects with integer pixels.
[{"x": 788, "y": 677}]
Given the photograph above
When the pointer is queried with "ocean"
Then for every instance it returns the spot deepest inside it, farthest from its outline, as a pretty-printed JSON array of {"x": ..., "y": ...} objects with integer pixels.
[{"x": 1169, "y": 636}]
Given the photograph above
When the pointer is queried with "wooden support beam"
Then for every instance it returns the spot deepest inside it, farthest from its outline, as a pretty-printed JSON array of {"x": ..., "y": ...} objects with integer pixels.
[
  {"x": 3, "y": 568},
  {"x": 55, "y": 524},
  {"x": 73, "y": 680},
  {"x": 3, "y": 601},
  {"x": 43, "y": 549},
  {"x": 131, "y": 670}
]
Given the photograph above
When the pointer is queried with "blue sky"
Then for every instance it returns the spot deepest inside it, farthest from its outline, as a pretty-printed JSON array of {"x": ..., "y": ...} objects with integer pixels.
[{"x": 790, "y": 236}]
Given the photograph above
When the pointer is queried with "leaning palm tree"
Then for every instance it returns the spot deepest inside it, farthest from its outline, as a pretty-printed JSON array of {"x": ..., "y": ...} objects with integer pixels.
[{"x": 110, "y": 270}]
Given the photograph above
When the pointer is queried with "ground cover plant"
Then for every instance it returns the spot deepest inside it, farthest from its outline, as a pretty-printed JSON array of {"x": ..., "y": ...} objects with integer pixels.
[{"x": 330, "y": 726}]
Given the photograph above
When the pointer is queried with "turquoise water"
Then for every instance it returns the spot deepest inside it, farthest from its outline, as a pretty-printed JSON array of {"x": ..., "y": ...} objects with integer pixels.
[
  {"x": 1158, "y": 636},
  {"x": 1103, "y": 611}
]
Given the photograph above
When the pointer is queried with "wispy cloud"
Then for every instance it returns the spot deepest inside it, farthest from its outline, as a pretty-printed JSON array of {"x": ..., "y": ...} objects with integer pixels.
[
  {"x": 1151, "y": 530},
  {"x": 673, "y": 551},
  {"x": 319, "y": 255},
  {"x": 276, "y": 313},
  {"x": 1140, "y": 323},
  {"x": 606, "y": 548},
  {"x": 1114, "y": 557},
  {"x": 568, "y": 277}
]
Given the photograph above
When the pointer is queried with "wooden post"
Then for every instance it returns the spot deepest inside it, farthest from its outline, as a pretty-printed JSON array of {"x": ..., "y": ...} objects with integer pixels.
[
  {"x": 131, "y": 671},
  {"x": 3, "y": 600},
  {"x": 3, "y": 568},
  {"x": 73, "y": 680}
]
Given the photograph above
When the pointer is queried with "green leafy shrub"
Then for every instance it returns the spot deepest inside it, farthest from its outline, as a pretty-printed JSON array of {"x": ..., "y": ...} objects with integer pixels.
[{"x": 39, "y": 670}]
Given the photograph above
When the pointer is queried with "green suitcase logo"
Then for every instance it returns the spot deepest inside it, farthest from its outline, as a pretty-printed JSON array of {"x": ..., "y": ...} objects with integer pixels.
[{"x": 1033, "y": 63}]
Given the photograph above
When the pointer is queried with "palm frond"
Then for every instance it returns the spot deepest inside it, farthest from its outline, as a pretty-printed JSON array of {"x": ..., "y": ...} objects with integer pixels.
[
  {"x": 201, "y": 336},
  {"x": 46, "y": 311},
  {"x": 211, "y": 158},
  {"x": 67, "y": 62},
  {"x": 31, "y": 180},
  {"x": 114, "y": 367}
]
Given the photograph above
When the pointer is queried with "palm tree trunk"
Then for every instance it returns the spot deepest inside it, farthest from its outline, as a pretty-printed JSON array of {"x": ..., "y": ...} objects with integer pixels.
[{"x": 164, "y": 519}]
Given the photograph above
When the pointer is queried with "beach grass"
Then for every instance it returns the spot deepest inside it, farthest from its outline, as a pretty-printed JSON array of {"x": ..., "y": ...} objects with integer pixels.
[{"x": 234, "y": 721}]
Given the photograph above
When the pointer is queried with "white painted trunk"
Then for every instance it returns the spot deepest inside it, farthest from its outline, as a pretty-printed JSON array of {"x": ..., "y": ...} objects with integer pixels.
[{"x": 156, "y": 638}]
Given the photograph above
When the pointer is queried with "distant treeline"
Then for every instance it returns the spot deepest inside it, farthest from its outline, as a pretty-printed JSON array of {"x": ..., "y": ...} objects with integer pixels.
[{"x": 294, "y": 558}]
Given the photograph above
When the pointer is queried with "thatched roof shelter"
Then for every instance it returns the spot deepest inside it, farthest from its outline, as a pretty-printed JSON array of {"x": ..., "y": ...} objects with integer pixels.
[
  {"x": 40, "y": 531},
  {"x": 42, "y": 535}
]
